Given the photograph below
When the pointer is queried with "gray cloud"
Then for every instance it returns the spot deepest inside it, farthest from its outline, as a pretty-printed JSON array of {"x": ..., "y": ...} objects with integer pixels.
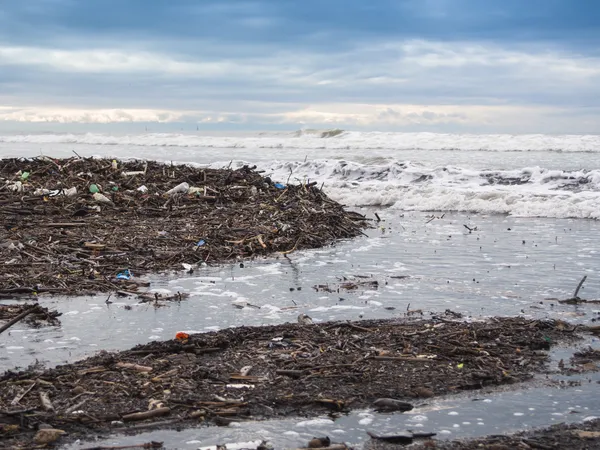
[{"x": 435, "y": 79}]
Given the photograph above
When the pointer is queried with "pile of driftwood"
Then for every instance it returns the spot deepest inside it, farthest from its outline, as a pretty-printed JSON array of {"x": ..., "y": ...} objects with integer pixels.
[
  {"x": 84, "y": 225},
  {"x": 578, "y": 436},
  {"x": 287, "y": 370}
]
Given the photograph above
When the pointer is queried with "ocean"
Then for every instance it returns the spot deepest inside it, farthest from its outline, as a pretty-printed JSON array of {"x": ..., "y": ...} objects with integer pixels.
[{"x": 484, "y": 225}]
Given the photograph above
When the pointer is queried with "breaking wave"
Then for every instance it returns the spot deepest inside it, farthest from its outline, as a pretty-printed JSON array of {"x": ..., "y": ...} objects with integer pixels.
[{"x": 526, "y": 192}]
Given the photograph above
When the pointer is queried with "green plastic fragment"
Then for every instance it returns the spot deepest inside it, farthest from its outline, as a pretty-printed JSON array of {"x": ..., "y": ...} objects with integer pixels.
[
  {"x": 94, "y": 189},
  {"x": 24, "y": 176}
]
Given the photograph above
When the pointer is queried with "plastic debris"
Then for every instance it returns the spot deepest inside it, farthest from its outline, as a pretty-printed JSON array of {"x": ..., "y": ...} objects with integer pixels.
[
  {"x": 114, "y": 164},
  {"x": 195, "y": 190},
  {"x": 180, "y": 188},
  {"x": 16, "y": 187},
  {"x": 181, "y": 336},
  {"x": 200, "y": 243},
  {"x": 71, "y": 192},
  {"x": 143, "y": 189},
  {"x": 125, "y": 275},
  {"x": 279, "y": 186},
  {"x": 94, "y": 188},
  {"x": 101, "y": 198},
  {"x": 25, "y": 176}
]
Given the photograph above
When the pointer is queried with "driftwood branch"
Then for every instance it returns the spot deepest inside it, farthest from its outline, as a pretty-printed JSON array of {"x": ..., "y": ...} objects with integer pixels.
[
  {"x": 146, "y": 414},
  {"x": 152, "y": 444},
  {"x": 579, "y": 286},
  {"x": 18, "y": 318}
]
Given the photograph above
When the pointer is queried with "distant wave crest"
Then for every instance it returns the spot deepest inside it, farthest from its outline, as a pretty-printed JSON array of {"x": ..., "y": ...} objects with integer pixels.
[{"x": 331, "y": 139}]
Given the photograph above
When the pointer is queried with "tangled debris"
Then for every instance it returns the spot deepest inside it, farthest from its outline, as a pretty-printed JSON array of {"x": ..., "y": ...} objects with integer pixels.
[
  {"x": 252, "y": 373},
  {"x": 82, "y": 225},
  {"x": 584, "y": 436},
  {"x": 36, "y": 316}
]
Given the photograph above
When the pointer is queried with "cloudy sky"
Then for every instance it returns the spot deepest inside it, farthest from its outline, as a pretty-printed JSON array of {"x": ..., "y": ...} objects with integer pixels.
[{"x": 437, "y": 65}]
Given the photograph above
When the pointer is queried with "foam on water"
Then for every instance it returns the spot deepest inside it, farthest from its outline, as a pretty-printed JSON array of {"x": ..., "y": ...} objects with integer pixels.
[{"x": 527, "y": 192}]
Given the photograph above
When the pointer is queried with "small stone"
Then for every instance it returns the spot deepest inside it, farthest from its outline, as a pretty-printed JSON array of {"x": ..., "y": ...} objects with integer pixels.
[
  {"x": 48, "y": 435},
  {"x": 319, "y": 442},
  {"x": 390, "y": 404},
  {"x": 78, "y": 390},
  {"x": 423, "y": 392},
  {"x": 587, "y": 434},
  {"x": 303, "y": 319}
]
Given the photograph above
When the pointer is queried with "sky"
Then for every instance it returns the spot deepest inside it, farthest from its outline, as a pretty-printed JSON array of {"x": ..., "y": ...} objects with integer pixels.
[{"x": 480, "y": 66}]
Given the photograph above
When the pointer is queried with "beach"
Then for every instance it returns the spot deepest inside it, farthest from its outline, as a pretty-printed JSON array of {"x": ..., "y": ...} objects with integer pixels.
[{"x": 482, "y": 226}]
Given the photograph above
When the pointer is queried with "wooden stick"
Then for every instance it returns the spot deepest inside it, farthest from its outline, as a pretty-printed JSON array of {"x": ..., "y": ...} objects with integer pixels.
[
  {"x": 579, "y": 286},
  {"x": 76, "y": 407},
  {"x": 67, "y": 224},
  {"x": 402, "y": 358},
  {"x": 291, "y": 373},
  {"x": 20, "y": 396},
  {"x": 152, "y": 444},
  {"x": 132, "y": 366},
  {"x": 331, "y": 447},
  {"x": 141, "y": 426},
  {"x": 147, "y": 414},
  {"x": 18, "y": 318}
]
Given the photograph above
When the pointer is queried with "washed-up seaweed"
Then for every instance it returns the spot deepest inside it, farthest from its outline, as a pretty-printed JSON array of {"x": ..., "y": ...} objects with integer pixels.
[
  {"x": 83, "y": 225},
  {"x": 249, "y": 373}
]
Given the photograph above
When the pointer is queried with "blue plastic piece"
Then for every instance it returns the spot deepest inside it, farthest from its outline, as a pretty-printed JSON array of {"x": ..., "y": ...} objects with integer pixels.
[{"x": 125, "y": 275}]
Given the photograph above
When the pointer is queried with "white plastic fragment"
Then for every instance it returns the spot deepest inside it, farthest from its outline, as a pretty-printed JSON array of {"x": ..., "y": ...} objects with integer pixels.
[
  {"x": 101, "y": 198},
  {"x": 180, "y": 188},
  {"x": 15, "y": 187},
  {"x": 195, "y": 190}
]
